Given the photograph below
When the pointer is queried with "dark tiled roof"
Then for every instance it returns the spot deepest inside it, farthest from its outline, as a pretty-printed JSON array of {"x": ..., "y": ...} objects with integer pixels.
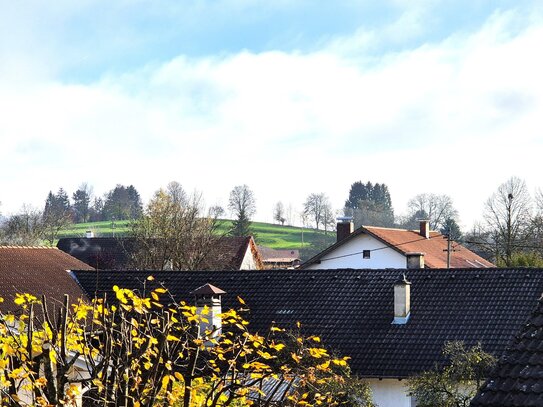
[
  {"x": 37, "y": 271},
  {"x": 230, "y": 251},
  {"x": 104, "y": 253},
  {"x": 518, "y": 377},
  {"x": 410, "y": 241},
  {"x": 352, "y": 310},
  {"x": 109, "y": 253}
]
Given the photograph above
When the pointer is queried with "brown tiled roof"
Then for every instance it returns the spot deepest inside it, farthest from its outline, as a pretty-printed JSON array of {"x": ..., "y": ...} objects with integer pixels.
[
  {"x": 410, "y": 241},
  {"x": 229, "y": 253},
  {"x": 37, "y": 271}
]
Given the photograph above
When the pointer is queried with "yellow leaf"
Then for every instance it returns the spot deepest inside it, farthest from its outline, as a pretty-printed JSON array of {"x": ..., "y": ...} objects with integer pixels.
[
  {"x": 150, "y": 278},
  {"x": 241, "y": 301}
]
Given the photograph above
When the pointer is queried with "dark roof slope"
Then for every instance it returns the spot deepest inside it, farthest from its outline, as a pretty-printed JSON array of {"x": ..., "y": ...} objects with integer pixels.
[
  {"x": 104, "y": 253},
  {"x": 230, "y": 251},
  {"x": 109, "y": 253},
  {"x": 352, "y": 310},
  {"x": 518, "y": 377},
  {"x": 37, "y": 271},
  {"x": 409, "y": 241}
]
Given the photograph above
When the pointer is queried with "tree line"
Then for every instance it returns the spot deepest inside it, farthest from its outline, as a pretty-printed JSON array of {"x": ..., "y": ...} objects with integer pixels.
[{"x": 31, "y": 226}]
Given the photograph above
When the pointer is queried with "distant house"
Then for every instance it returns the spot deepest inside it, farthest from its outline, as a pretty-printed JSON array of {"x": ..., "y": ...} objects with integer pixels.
[
  {"x": 370, "y": 247},
  {"x": 38, "y": 271},
  {"x": 517, "y": 380},
  {"x": 279, "y": 259},
  {"x": 108, "y": 253},
  {"x": 391, "y": 326}
]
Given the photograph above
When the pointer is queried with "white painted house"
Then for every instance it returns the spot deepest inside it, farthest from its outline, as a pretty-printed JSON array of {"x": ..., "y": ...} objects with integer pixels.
[{"x": 371, "y": 247}]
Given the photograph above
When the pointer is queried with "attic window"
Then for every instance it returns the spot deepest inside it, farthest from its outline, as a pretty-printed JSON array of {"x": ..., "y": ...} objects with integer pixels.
[{"x": 366, "y": 254}]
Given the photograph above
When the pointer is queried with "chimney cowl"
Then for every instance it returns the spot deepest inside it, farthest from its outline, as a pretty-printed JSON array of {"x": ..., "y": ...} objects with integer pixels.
[{"x": 208, "y": 306}]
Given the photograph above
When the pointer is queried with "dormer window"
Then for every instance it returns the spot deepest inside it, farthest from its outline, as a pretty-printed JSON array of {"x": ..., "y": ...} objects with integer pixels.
[{"x": 366, "y": 254}]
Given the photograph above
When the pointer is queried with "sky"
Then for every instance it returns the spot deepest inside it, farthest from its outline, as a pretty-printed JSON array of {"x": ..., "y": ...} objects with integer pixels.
[{"x": 288, "y": 97}]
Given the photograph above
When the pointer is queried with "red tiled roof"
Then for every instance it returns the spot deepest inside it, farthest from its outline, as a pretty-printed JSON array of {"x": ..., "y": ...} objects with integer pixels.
[
  {"x": 410, "y": 241},
  {"x": 434, "y": 248},
  {"x": 37, "y": 271}
]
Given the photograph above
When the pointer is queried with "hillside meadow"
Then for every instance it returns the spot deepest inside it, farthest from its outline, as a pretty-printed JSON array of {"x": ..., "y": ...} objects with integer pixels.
[{"x": 308, "y": 241}]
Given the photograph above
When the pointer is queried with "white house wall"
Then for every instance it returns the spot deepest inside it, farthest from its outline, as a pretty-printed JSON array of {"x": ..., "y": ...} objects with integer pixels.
[
  {"x": 349, "y": 255},
  {"x": 390, "y": 393},
  {"x": 248, "y": 262}
]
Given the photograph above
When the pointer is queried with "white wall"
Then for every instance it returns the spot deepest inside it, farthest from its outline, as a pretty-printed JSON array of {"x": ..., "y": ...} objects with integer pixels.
[
  {"x": 248, "y": 262},
  {"x": 385, "y": 257},
  {"x": 390, "y": 393}
]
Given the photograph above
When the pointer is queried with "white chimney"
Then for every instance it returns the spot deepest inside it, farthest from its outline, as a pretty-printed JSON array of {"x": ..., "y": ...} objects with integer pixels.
[
  {"x": 424, "y": 229},
  {"x": 208, "y": 307},
  {"x": 414, "y": 260},
  {"x": 402, "y": 301},
  {"x": 89, "y": 234}
]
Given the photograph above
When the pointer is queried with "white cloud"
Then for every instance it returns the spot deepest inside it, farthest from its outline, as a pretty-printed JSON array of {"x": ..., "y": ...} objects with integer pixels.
[{"x": 456, "y": 117}]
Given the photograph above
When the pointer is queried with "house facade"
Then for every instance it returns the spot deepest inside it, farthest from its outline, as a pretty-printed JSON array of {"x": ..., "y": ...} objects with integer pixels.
[
  {"x": 392, "y": 326},
  {"x": 109, "y": 253},
  {"x": 371, "y": 247}
]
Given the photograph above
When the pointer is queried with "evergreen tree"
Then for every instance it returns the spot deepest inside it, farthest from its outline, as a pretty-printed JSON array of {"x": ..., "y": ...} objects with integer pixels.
[
  {"x": 82, "y": 200},
  {"x": 370, "y": 204},
  {"x": 122, "y": 203}
]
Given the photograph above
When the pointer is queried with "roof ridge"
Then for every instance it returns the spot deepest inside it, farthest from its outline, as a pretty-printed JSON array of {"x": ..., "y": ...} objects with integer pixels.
[{"x": 26, "y": 247}]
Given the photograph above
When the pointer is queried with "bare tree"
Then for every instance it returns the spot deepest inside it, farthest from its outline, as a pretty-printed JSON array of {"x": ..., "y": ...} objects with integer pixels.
[
  {"x": 279, "y": 213},
  {"x": 243, "y": 206},
  {"x": 173, "y": 234},
  {"x": 507, "y": 216},
  {"x": 437, "y": 208},
  {"x": 24, "y": 228},
  {"x": 316, "y": 207}
]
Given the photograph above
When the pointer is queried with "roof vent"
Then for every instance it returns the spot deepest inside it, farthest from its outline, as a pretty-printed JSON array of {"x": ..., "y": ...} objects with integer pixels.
[
  {"x": 402, "y": 301},
  {"x": 89, "y": 234}
]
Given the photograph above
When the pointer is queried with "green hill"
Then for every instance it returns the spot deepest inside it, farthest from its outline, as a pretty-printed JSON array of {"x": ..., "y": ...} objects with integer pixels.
[{"x": 309, "y": 241}]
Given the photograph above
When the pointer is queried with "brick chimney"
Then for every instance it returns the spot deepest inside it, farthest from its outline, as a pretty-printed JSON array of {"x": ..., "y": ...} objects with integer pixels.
[
  {"x": 208, "y": 307},
  {"x": 414, "y": 260},
  {"x": 425, "y": 229},
  {"x": 345, "y": 226},
  {"x": 402, "y": 301}
]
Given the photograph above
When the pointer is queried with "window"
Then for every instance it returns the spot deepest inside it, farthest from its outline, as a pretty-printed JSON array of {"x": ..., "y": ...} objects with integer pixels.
[{"x": 366, "y": 254}]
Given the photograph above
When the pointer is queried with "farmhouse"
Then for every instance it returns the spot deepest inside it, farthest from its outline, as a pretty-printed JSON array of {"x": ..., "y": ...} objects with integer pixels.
[
  {"x": 279, "y": 259},
  {"x": 109, "y": 253},
  {"x": 370, "y": 247},
  {"x": 390, "y": 325}
]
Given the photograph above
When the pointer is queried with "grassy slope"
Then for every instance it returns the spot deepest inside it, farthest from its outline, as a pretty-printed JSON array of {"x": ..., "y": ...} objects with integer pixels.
[{"x": 266, "y": 234}]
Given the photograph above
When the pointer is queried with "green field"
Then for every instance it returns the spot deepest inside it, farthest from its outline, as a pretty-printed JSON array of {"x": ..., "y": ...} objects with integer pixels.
[{"x": 266, "y": 234}]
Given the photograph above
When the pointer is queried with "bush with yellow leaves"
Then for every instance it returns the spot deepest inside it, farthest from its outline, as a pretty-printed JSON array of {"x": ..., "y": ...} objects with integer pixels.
[{"x": 134, "y": 351}]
